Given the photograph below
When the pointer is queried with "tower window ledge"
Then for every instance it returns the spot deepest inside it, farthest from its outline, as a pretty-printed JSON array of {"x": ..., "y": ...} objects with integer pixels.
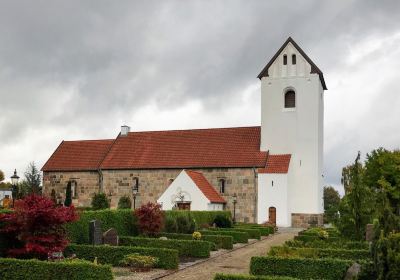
[{"x": 288, "y": 109}]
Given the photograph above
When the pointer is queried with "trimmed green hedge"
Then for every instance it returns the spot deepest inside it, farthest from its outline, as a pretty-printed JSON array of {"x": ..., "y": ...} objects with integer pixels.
[
  {"x": 284, "y": 251},
  {"x": 308, "y": 238},
  {"x": 201, "y": 217},
  {"x": 238, "y": 237},
  {"x": 105, "y": 254},
  {"x": 253, "y": 233},
  {"x": 186, "y": 248},
  {"x": 265, "y": 231},
  {"x": 122, "y": 220},
  {"x": 329, "y": 269},
  {"x": 220, "y": 241},
  {"x": 342, "y": 244},
  {"x": 12, "y": 269},
  {"x": 220, "y": 276}
]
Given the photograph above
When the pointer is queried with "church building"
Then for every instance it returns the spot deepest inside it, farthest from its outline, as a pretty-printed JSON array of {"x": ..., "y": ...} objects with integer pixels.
[{"x": 272, "y": 172}]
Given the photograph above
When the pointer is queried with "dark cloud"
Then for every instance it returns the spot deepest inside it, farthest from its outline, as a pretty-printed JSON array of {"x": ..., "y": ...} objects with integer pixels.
[{"x": 78, "y": 69}]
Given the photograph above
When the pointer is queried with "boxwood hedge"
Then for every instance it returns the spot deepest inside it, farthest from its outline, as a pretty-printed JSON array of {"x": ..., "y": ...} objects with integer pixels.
[
  {"x": 284, "y": 251},
  {"x": 168, "y": 258},
  {"x": 265, "y": 231},
  {"x": 11, "y": 269},
  {"x": 308, "y": 238},
  {"x": 252, "y": 232},
  {"x": 186, "y": 248},
  {"x": 221, "y": 276},
  {"x": 220, "y": 241},
  {"x": 122, "y": 220},
  {"x": 341, "y": 244},
  {"x": 238, "y": 237},
  {"x": 200, "y": 217},
  {"x": 329, "y": 269}
]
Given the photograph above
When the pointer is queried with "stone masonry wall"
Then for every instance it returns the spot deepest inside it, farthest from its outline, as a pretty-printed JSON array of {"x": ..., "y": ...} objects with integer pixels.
[
  {"x": 87, "y": 183},
  {"x": 303, "y": 220},
  {"x": 152, "y": 183}
]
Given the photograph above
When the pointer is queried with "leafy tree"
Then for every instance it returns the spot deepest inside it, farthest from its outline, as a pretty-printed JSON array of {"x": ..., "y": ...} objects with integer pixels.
[
  {"x": 150, "y": 218},
  {"x": 356, "y": 206},
  {"x": 4, "y": 185},
  {"x": 1, "y": 176},
  {"x": 100, "y": 201},
  {"x": 124, "y": 202},
  {"x": 68, "y": 195},
  {"x": 37, "y": 227},
  {"x": 346, "y": 178},
  {"x": 33, "y": 178},
  {"x": 331, "y": 204}
]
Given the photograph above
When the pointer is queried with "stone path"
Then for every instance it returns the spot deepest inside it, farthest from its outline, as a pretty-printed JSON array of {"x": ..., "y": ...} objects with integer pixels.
[{"x": 236, "y": 261}]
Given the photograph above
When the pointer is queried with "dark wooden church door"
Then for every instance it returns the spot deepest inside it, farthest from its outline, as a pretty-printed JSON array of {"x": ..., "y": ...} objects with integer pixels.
[{"x": 272, "y": 215}]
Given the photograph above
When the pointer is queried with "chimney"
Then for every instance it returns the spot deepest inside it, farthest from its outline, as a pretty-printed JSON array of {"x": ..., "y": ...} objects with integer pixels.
[{"x": 125, "y": 130}]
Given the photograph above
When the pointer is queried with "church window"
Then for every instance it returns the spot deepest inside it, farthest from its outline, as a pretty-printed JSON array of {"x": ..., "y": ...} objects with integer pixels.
[
  {"x": 73, "y": 189},
  {"x": 272, "y": 183},
  {"x": 222, "y": 185},
  {"x": 284, "y": 59},
  {"x": 135, "y": 184},
  {"x": 293, "y": 59},
  {"x": 290, "y": 99}
]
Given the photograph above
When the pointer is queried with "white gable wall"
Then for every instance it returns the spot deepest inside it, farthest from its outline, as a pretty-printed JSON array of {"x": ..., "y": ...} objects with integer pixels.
[
  {"x": 297, "y": 131},
  {"x": 192, "y": 194}
]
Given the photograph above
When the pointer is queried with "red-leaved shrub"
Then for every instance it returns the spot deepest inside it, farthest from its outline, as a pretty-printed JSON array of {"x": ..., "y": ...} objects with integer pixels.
[
  {"x": 150, "y": 218},
  {"x": 36, "y": 227}
]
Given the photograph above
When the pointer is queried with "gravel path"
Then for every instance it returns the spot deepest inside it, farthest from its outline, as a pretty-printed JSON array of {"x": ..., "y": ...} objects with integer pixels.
[{"x": 237, "y": 261}]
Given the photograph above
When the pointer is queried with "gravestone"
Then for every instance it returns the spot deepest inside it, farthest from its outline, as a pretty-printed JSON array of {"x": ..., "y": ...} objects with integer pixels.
[
  {"x": 95, "y": 233},
  {"x": 369, "y": 233},
  {"x": 353, "y": 272},
  {"x": 110, "y": 237}
]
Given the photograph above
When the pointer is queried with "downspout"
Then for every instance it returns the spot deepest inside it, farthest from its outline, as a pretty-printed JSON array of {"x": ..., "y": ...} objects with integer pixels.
[{"x": 256, "y": 194}]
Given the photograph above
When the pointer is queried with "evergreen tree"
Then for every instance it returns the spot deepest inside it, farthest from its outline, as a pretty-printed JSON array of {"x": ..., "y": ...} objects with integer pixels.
[
  {"x": 331, "y": 204},
  {"x": 68, "y": 195},
  {"x": 33, "y": 178}
]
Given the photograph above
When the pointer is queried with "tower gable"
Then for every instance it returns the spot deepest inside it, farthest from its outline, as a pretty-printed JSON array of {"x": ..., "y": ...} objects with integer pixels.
[{"x": 281, "y": 66}]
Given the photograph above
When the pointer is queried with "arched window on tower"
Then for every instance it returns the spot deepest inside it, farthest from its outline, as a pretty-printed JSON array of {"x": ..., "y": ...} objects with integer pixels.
[
  {"x": 290, "y": 99},
  {"x": 284, "y": 59},
  {"x": 293, "y": 59},
  {"x": 135, "y": 184},
  {"x": 222, "y": 183}
]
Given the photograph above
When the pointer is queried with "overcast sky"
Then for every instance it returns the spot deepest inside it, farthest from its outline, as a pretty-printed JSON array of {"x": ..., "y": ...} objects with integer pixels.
[{"x": 79, "y": 69}]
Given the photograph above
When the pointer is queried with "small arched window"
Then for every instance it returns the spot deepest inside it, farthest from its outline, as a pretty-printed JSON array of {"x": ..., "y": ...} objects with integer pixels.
[
  {"x": 135, "y": 184},
  {"x": 293, "y": 59},
  {"x": 222, "y": 185},
  {"x": 73, "y": 189},
  {"x": 290, "y": 99},
  {"x": 284, "y": 59}
]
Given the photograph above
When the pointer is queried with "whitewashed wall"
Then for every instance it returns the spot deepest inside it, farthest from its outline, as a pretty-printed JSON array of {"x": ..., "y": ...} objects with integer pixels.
[{"x": 275, "y": 195}]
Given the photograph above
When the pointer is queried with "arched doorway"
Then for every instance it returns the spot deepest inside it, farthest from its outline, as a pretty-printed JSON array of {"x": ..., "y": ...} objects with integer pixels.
[{"x": 272, "y": 215}]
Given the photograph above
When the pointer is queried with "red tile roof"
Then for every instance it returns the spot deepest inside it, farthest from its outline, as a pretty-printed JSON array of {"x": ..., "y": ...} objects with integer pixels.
[
  {"x": 276, "y": 164},
  {"x": 205, "y": 187},
  {"x": 195, "y": 148},
  {"x": 78, "y": 155}
]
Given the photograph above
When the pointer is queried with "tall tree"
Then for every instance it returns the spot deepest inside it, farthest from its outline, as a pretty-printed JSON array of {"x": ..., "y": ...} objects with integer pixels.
[
  {"x": 68, "y": 195},
  {"x": 331, "y": 204},
  {"x": 33, "y": 178},
  {"x": 1, "y": 176},
  {"x": 356, "y": 206}
]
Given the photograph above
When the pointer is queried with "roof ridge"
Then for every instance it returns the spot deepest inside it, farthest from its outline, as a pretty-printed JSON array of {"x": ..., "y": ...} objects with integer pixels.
[{"x": 196, "y": 129}]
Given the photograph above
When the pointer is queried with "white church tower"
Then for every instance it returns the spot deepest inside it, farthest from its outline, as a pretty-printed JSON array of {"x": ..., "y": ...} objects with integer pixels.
[{"x": 292, "y": 124}]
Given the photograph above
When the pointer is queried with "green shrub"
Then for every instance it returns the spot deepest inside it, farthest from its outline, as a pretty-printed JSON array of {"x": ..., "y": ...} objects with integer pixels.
[
  {"x": 387, "y": 257},
  {"x": 238, "y": 237},
  {"x": 122, "y": 220},
  {"x": 253, "y": 233},
  {"x": 330, "y": 269},
  {"x": 220, "y": 241},
  {"x": 136, "y": 261},
  {"x": 185, "y": 224},
  {"x": 124, "y": 202},
  {"x": 308, "y": 238},
  {"x": 220, "y": 276},
  {"x": 265, "y": 231},
  {"x": 284, "y": 251},
  {"x": 200, "y": 217},
  {"x": 222, "y": 221},
  {"x": 187, "y": 248},
  {"x": 196, "y": 235},
  {"x": 170, "y": 225},
  {"x": 113, "y": 255},
  {"x": 100, "y": 201},
  {"x": 11, "y": 269},
  {"x": 341, "y": 244}
]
